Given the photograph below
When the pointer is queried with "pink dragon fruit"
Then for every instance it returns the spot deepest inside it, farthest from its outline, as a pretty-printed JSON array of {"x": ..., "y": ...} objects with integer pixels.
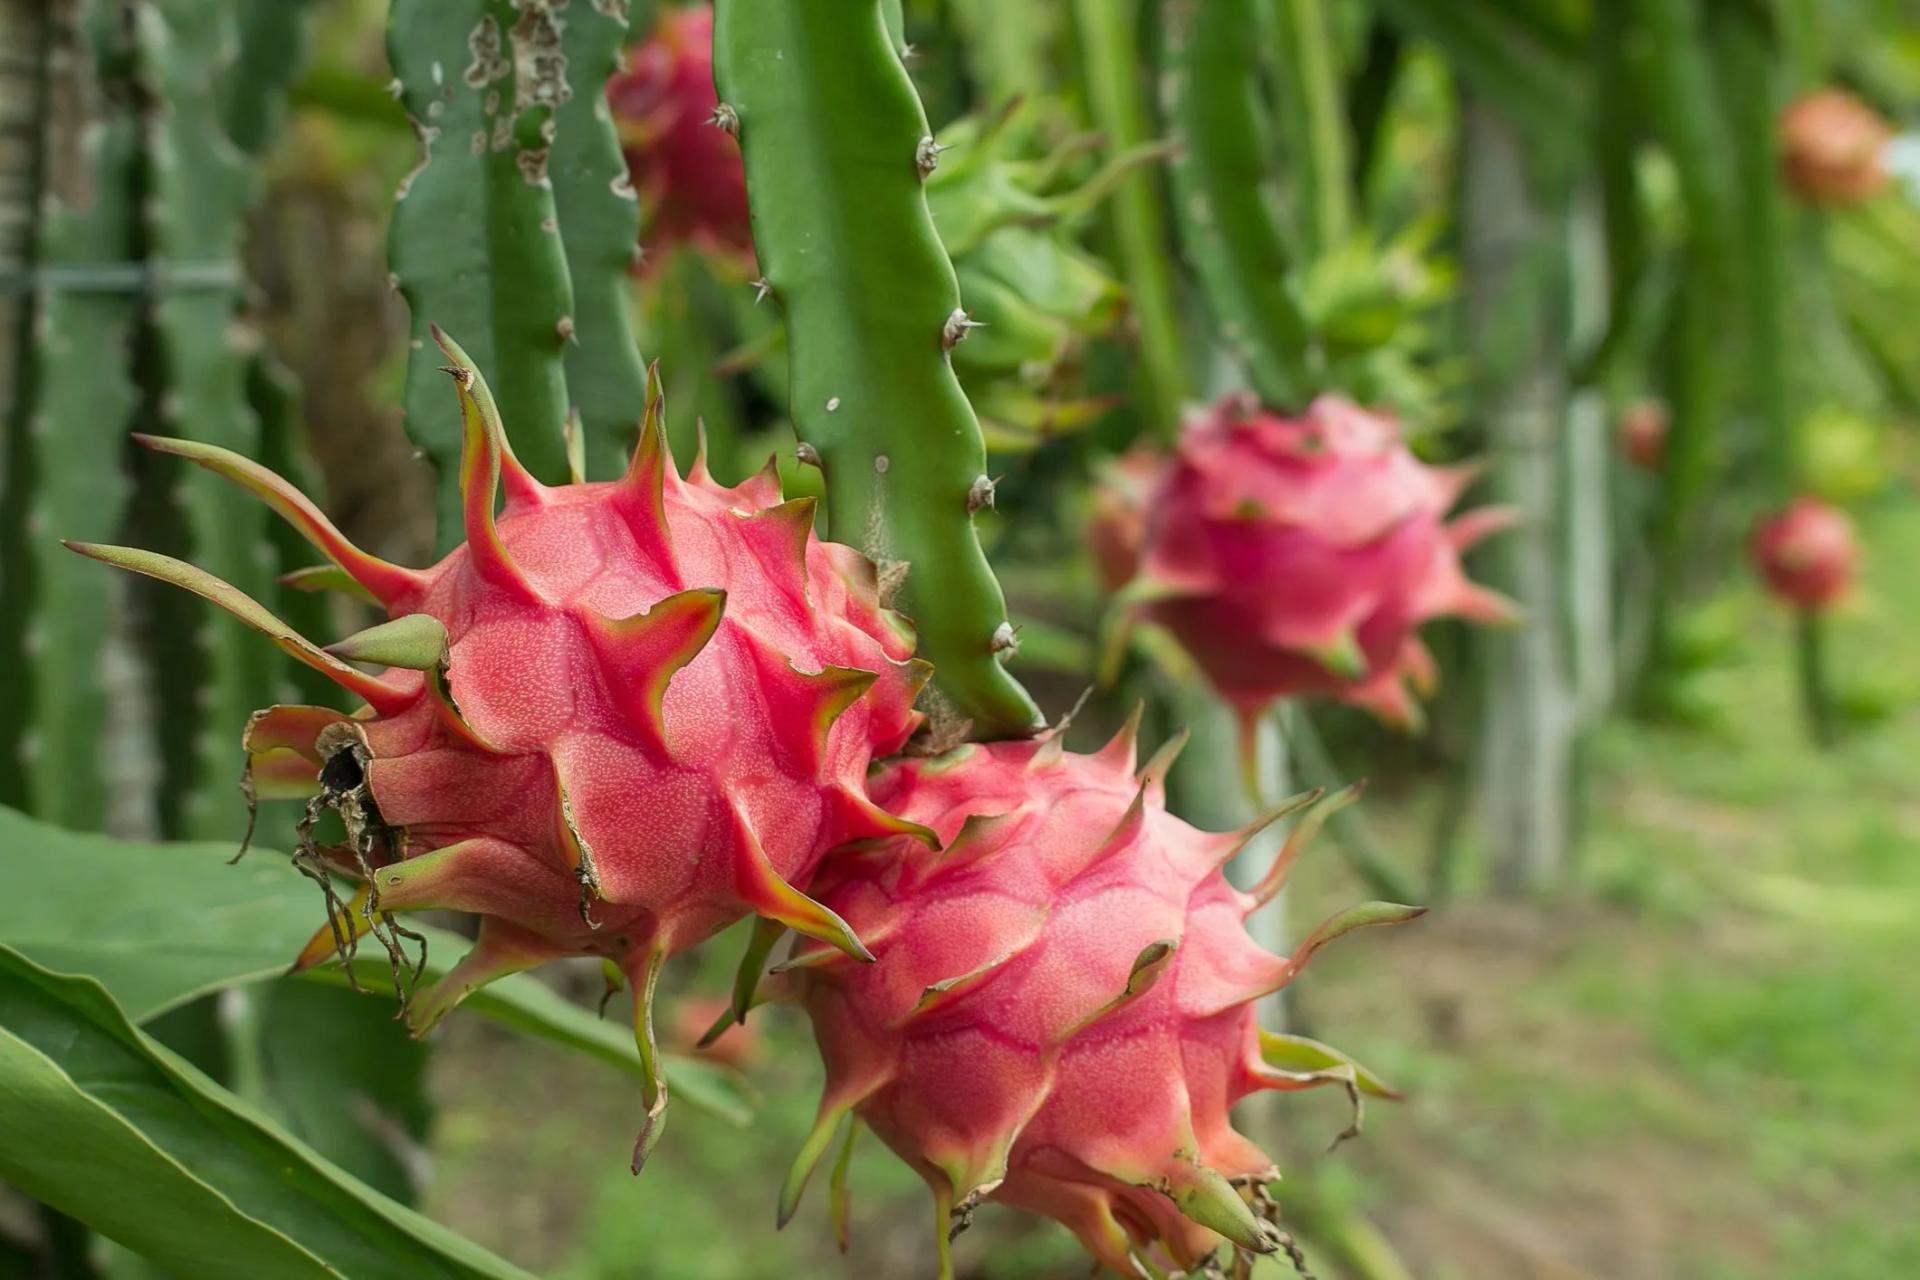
[
  {"x": 1807, "y": 554},
  {"x": 1833, "y": 148},
  {"x": 1299, "y": 556},
  {"x": 618, "y": 717},
  {"x": 1643, "y": 434},
  {"x": 1062, "y": 1009},
  {"x": 684, "y": 164}
]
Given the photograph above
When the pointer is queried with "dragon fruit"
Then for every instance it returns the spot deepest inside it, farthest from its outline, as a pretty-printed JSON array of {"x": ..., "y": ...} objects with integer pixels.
[
  {"x": 1643, "y": 434},
  {"x": 681, "y": 157},
  {"x": 1299, "y": 556},
  {"x": 618, "y": 717},
  {"x": 1833, "y": 148},
  {"x": 1807, "y": 554},
  {"x": 1062, "y": 1009}
]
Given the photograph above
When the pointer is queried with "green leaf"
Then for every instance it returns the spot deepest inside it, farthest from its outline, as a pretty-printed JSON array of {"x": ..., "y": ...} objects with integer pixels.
[
  {"x": 161, "y": 924},
  {"x": 340, "y": 1072},
  {"x": 157, "y": 924},
  {"x": 101, "y": 1122}
]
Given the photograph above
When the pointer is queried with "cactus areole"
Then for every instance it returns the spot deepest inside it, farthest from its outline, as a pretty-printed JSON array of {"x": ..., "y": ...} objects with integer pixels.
[
  {"x": 616, "y": 718},
  {"x": 1062, "y": 1009},
  {"x": 1806, "y": 554},
  {"x": 1299, "y": 556}
]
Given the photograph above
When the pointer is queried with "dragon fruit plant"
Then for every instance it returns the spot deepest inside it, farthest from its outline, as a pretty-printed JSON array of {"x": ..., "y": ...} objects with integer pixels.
[
  {"x": 615, "y": 719},
  {"x": 1061, "y": 1013},
  {"x": 1298, "y": 557}
]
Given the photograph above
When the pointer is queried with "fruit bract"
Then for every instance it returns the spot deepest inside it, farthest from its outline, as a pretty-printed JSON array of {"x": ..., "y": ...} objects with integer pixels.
[
  {"x": 616, "y": 718},
  {"x": 1062, "y": 1008},
  {"x": 680, "y": 153},
  {"x": 1299, "y": 556},
  {"x": 1807, "y": 554}
]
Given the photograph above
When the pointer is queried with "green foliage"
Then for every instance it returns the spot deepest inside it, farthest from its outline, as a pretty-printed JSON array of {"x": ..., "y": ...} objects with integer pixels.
[
  {"x": 105, "y": 1124},
  {"x": 158, "y": 925},
  {"x": 837, "y": 148},
  {"x": 63, "y": 465}
]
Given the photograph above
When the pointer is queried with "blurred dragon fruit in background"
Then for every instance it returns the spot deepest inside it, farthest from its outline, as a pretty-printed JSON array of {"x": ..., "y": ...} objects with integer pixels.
[
  {"x": 1806, "y": 554},
  {"x": 683, "y": 160},
  {"x": 1298, "y": 557}
]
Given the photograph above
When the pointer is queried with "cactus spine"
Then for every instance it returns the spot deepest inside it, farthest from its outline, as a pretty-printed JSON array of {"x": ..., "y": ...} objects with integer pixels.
[{"x": 837, "y": 148}]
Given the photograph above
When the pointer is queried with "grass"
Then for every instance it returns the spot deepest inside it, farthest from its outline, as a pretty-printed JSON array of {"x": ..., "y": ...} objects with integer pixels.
[{"x": 1697, "y": 1061}]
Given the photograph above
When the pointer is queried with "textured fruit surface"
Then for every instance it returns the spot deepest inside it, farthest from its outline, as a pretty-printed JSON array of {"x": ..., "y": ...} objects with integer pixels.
[
  {"x": 1806, "y": 554},
  {"x": 1062, "y": 1008},
  {"x": 1832, "y": 148},
  {"x": 685, "y": 166},
  {"x": 1299, "y": 556},
  {"x": 616, "y": 718}
]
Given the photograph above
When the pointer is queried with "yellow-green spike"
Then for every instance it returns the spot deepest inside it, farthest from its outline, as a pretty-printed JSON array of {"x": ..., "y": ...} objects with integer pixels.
[
  {"x": 416, "y": 642},
  {"x": 1148, "y": 967},
  {"x": 811, "y": 1151},
  {"x": 653, "y": 1082},
  {"x": 1298, "y": 839},
  {"x": 643, "y": 652},
  {"x": 326, "y": 577},
  {"x": 382, "y": 696},
  {"x": 484, "y": 458},
  {"x": 839, "y": 1199},
  {"x": 370, "y": 576},
  {"x": 500, "y": 949},
  {"x": 1210, "y": 1200},
  {"x": 762, "y": 888}
]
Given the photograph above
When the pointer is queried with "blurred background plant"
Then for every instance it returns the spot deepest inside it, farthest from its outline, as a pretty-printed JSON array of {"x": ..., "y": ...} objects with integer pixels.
[{"x": 1651, "y": 264}]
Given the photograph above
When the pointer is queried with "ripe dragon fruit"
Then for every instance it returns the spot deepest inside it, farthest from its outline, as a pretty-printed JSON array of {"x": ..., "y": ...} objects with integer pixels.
[
  {"x": 1298, "y": 556},
  {"x": 1643, "y": 434},
  {"x": 687, "y": 171},
  {"x": 1062, "y": 1008},
  {"x": 1833, "y": 148},
  {"x": 1807, "y": 554},
  {"x": 618, "y": 717}
]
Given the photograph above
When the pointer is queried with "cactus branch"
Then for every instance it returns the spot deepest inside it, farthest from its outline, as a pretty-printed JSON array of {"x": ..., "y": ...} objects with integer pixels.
[
  {"x": 475, "y": 242},
  {"x": 1227, "y": 221},
  {"x": 830, "y": 127}
]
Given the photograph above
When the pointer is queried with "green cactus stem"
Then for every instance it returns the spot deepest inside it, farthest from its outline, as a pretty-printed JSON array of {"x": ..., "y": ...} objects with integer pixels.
[
  {"x": 1314, "y": 121},
  {"x": 198, "y": 196},
  {"x": 1227, "y": 216},
  {"x": 1111, "y": 59},
  {"x": 837, "y": 149},
  {"x": 599, "y": 226},
  {"x": 63, "y": 473},
  {"x": 475, "y": 243}
]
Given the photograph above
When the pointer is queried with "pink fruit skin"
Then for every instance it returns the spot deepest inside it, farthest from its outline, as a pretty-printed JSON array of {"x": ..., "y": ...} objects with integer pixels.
[
  {"x": 1643, "y": 435},
  {"x": 1031, "y": 1081},
  {"x": 686, "y": 169},
  {"x": 1807, "y": 554},
  {"x": 1832, "y": 148},
  {"x": 1298, "y": 556}
]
